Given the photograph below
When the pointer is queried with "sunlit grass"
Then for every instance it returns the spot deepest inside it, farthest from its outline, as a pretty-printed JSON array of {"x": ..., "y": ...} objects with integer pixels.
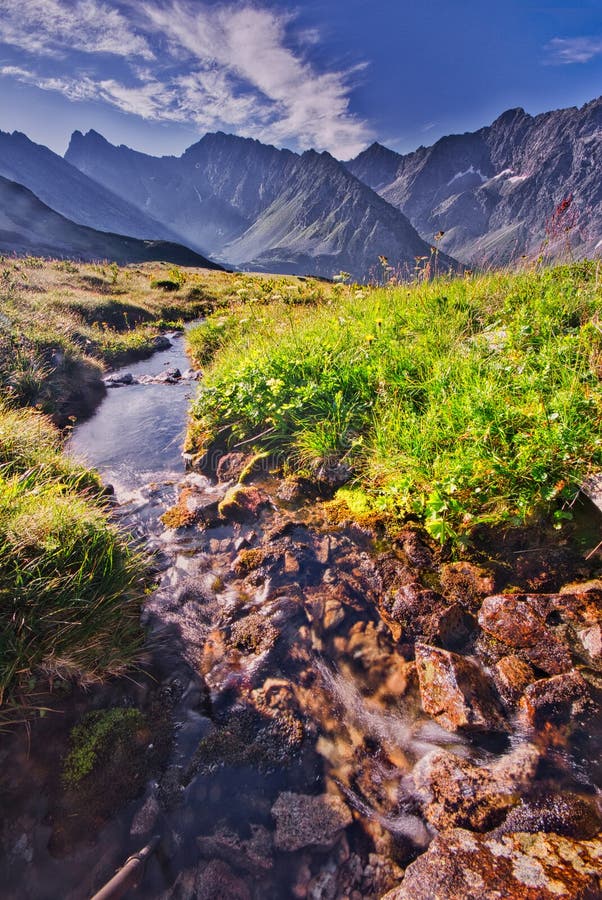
[
  {"x": 460, "y": 401},
  {"x": 70, "y": 585}
]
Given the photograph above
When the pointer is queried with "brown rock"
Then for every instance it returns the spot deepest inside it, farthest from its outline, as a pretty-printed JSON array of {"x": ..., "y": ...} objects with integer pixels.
[
  {"x": 579, "y": 613},
  {"x": 416, "y": 549},
  {"x": 456, "y": 691},
  {"x": 559, "y": 701},
  {"x": 242, "y": 504},
  {"x": 464, "y": 866},
  {"x": 511, "y": 676},
  {"x": 591, "y": 641},
  {"x": 467, "y": 583},
  {"x": 231, "y": 465},
  {"x": 309, "y": 821},
  {"x": 425, "y": 615},
  {"x": 566, "y": 814},
  {"x": 456, "y": 793},
  {"x": 514, "y": 620}
]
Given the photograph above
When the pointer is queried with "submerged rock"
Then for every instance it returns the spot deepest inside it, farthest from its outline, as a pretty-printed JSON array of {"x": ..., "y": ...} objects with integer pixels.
[
  {"x": 563, "y": 700},
  {"x": 565, "y": 814},
  {"x": 214, "y": 880},
  {"x": 253, "y": 854},
  {"x": 456, "y": 691},
  {"x": 307, "y": 821},
  {"x": 455, "y": 792},
  {"x": 461, "y": 865}
]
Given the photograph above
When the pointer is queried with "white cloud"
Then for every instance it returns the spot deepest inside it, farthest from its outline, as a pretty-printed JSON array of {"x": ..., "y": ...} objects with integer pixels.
[
  {"x": 248, "y": 45},
  {"x": 54, "y": 27},
  {"x": 565, "y": 51},
  {"x": 219, "y": 66}
]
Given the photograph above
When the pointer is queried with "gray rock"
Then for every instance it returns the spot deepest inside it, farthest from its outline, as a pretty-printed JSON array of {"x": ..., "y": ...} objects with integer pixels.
[{"x": 309, "y": 821}]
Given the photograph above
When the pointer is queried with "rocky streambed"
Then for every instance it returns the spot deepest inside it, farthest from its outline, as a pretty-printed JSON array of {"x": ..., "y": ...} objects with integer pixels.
[{"x": 324, "y": 712}]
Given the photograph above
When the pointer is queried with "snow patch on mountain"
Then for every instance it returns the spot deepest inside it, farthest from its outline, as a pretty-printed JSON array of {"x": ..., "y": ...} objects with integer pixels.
[{"x": 469, "y": 171}]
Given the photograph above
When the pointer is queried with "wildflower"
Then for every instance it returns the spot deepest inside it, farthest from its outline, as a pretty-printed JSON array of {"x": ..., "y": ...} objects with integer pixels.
[
  {"x": 379, "y": 323},
  {"x": 439, "y": 235},
  {"x": 369, "y": 338}
]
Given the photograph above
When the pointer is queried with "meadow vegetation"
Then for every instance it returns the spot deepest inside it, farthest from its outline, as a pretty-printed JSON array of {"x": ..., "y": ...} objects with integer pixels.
[{"x": 459, "y": 402}]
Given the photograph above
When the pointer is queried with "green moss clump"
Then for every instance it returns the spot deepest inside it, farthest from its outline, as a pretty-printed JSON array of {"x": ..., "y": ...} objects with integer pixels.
[
  {"x": 98, "y": 735},
  {"x": 248, "y": 560}
]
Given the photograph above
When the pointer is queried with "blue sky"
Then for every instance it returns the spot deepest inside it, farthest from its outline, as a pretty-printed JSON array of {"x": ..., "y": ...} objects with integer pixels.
[{"x": 158, "y": 74}]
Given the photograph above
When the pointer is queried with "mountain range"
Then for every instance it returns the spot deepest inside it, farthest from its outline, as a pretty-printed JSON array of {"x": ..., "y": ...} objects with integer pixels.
[
  {"x": 257, "y": 207},
  {"x": 482, "y": 198},
  {"x": 493, "y": 192}
]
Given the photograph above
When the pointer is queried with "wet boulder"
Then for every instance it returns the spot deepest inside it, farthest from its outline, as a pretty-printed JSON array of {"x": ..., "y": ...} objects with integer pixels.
[
  {"x": 333, "y": 474},
  {"x": 198, "y": 503},
  {"x": 516, "y": 622},
  {"x": 456, "y": 793},
  {"x": 161, "y": 342},
  {"x": 460, "y": 865},
  {"x": 456, "y": 691},
  {"x": 562, "y": 701},
  {"x": 303, "y": 820},
  {"x": 511, "y": 676},
  {"x": 243, "y": 504},
  {"x": 467, "y": 583},
  {"x": 566, "y": 814},
  {"x": 169, "y": 376},
  {"x": 577, "y": 614},
  {"x": 231, "y": 465},
  {"x": 425, "y": 615},
  {"x": 415, "y": 548},
  {"x": 119, "y": 380}
]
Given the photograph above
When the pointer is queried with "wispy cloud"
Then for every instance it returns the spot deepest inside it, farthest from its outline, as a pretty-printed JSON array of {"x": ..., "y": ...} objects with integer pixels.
[
  {"x": 566, "y": 51},
  {"x": 240, "y": 67},
  {"x": 56, "y": 27}
]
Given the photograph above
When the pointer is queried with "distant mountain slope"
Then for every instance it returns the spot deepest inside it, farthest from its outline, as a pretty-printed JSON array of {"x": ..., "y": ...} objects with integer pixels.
[
  {"x": 324, "y": 221},
  {"x": 493, "y": 191},
  {"x": 209, "y": 196},
  {"x": 255, "y": 206},
  {"x": 29, "y": 226},
  {"x": 70, "y": 192}
]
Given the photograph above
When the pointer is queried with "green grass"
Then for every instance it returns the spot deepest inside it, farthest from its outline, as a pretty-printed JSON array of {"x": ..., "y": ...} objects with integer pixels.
[
  {"x": 463, "y": 401},
  {"x": 70, "y": 585}
]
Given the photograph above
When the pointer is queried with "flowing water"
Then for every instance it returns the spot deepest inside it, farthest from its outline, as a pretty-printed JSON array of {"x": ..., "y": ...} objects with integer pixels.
[{"x": 273, "y": 678}]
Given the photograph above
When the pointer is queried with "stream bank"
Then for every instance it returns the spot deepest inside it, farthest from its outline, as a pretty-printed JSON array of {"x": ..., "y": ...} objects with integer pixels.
[{"x": 320, "y": 703}]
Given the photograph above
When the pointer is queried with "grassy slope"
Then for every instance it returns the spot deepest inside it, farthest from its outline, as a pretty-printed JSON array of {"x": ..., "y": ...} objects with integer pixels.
[
  {"x": 70, "y": 586},
  {"x": 463, "y": 401},
  {"x": 60, "y": 323}
]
